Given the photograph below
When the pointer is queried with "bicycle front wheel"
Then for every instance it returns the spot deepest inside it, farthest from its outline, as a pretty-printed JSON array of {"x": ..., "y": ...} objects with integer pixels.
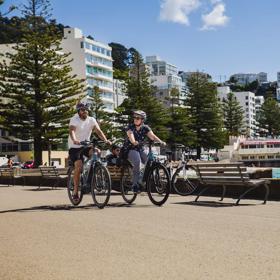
[
  {"x": 70, "y": 187},
  {"x": 158, "y": 184},
  {"x": 181, "y": 183},
  {"x": 126, "y": 185},
  {"x": 100, "y": 186}
]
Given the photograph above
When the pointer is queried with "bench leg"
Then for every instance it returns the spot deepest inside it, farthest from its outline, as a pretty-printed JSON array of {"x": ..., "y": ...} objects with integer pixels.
[
  {"x": 266, "y": 193},
  {"x": 204, "y": 190},
  {"x": 224, "y": 192},
  {"x": 243, "y": 194}
]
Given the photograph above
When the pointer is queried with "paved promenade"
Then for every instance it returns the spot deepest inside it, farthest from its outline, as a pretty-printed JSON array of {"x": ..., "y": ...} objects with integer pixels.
[{"x": 43, "y": 237}]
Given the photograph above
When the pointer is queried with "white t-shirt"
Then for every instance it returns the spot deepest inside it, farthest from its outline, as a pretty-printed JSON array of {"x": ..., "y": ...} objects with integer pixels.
[{"x": 83, "y": 129}]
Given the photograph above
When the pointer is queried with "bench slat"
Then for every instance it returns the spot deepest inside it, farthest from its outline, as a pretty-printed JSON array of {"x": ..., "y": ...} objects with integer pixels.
[
  {"x": 225, "y": 169},
  {"x": 229, "y": 174},
  {"x": 225, "y": 165}
]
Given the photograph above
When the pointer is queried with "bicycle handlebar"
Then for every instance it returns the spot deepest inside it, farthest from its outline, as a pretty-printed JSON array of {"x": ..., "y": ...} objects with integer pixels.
[{"x": 93, "y": 142}]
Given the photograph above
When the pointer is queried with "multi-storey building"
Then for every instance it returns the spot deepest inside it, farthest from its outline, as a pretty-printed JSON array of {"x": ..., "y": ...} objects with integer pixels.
[
  {"x": 92, "y": 61},
  {"x": 247, "y": 100},
  {"x": 165, "y": 77},
  {"x": 247, "y": 78},
  {"x": 119, "y": 92}
]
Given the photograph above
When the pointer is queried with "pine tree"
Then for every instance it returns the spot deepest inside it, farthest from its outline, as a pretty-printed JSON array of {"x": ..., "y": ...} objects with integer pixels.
[
  {"x": 98, "y": 112},
  {"x": 233, "y": 115},
  {"x": 268, "y": 117},
  {"x": 179, "y": 122},
  {"x": 205, "y": 113},
  {"x": 36, "y": 79}
]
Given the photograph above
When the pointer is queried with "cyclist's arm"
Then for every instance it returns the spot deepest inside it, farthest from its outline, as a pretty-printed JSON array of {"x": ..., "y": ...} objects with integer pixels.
[
  {"x": 131, "y": 137},
  {"x": 153, "y": 137},
  {"x": 72, "y": 134},
  {"x": 100, "y": 134}
]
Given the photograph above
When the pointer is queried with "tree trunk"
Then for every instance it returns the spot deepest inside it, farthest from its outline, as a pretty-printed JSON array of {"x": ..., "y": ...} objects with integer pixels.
[
  {"x": 49, "y": 153},
  {"x": 37, "y": 151},
  {"x": 198, "y": 152}
]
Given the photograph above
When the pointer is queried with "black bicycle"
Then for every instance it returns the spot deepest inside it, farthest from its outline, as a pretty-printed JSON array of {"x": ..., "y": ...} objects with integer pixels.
[
  {"x": 94, "y": 179},
  {"x": 181, "y": 179},
  {"x": 155, "y": 180}
]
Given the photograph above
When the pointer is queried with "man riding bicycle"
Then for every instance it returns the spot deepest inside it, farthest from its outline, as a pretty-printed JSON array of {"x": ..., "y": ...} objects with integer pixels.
[
  {"x": 136, "y": 133},
  {"x": 80, "y": 128}
]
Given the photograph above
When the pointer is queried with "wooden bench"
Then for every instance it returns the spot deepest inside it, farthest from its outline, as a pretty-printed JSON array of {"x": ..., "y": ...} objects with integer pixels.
[
  {"x": 50, "y": 173},
  {"x": 228, "y": 175},
  {"x": 11, "y": 175},
  {"x": 116, "y": 172}
]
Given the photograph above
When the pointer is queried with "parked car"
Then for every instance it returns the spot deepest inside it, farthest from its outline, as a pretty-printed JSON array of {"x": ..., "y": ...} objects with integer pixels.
[{"x": 28, "y": 164}]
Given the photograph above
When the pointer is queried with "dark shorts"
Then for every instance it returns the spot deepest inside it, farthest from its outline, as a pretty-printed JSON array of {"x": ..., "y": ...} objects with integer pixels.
[{"x": 78, "y": 154}]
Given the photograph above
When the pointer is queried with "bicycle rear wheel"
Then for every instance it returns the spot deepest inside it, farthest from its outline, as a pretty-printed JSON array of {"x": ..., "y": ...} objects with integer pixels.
[
  {"x": 100, "y": 186},
  {"x": 70, "y": 187},
  {"x": 126, "y": 185},
  {"x": 158, "y": 184},
  {"x": 181, "y": 183}
]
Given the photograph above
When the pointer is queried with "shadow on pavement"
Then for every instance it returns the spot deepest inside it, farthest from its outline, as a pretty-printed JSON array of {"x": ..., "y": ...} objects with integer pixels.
[
  {"x": 214, "y": 204},
  {"x": 65, "y": 207}
]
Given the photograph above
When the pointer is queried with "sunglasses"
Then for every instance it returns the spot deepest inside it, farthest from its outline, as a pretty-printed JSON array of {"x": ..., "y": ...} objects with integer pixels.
[
  {"x": 83, "y": 109},
  {"x": 137, "y": 118}
]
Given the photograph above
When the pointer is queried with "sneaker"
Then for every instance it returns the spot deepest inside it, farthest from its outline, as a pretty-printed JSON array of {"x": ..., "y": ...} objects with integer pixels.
[
  {"x": 75, "y": 197},
  {"x": 135, "y": 189}
]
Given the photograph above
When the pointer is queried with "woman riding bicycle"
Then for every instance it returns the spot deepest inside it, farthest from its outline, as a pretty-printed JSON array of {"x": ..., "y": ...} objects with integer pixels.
[{"x": 136, "y": 133}]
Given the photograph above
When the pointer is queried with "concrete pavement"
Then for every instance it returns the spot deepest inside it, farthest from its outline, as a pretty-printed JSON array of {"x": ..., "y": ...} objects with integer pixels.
[{"x": 43, "y": 237}]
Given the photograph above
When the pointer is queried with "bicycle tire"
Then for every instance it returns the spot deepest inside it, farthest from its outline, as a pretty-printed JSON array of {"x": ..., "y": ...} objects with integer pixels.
[
  {"x": 100, "y": 186},
  {"x": 70, "y": 187},
  {"x": 182, "y": 186},
  {"x": 126, "y": 185},
  {"x": 158, "y": 184}
]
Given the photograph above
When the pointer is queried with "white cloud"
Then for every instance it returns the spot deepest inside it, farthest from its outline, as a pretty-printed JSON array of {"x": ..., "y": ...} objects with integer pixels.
[
  {"x": 216, "y": 17},
  {"x": 216, "y": 1},
  {"x": 177, "y": 10}
]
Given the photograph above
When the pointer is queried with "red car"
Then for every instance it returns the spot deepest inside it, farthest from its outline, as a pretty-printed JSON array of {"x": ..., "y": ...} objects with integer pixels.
[{"x": 28, "y": 164}]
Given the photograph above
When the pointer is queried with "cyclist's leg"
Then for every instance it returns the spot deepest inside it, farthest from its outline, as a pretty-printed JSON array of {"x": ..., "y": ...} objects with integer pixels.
[
  {"x": 134, "y": 157},
  {"x": 143, "y": 156},
  {"x": 76, "y": 157},
  {"x": 78, "y": 165}
]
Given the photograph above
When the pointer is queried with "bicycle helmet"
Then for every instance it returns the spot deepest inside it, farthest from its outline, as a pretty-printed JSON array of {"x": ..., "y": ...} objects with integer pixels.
[
  {"x": 81, "y": 105},
  {"x": 140, "y": 113}
]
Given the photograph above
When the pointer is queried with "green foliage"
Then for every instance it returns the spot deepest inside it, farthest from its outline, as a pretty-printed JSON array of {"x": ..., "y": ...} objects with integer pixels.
[
  {"x": 269, "y": 117},
  {"x": 11, "y": 29},
  {"x": 36, "y": 80},
  {"x": 205, "y": 113},
  {"x": 233, "y": 115},
  {"x": 119, "y": 55},
  {"x": 179, "y": 122},
  {"x": 98, "y": 112}
]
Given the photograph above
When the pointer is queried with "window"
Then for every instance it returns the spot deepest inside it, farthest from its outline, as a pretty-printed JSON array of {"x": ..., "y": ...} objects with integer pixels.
[
  {"x": 244, "y": 158},
  {"x": 261, "y": 157},
  {"x": 82, "y": 45},
  {"x": 270, "y": 157},
  {"x": 246, "y": 103},
  {"x": 246, "y": 97}
]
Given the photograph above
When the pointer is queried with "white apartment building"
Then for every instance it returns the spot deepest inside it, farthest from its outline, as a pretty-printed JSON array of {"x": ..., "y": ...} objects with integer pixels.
[
  {"x": 247, "y": 78},
  {"x": 247, "y": 100},
  {"x": 119, "y": 92},
  {"x": 165, "y": 76},
  {"x": 92, "y": 61}
]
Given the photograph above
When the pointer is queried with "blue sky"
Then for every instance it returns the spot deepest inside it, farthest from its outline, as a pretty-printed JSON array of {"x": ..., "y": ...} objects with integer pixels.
[{"x": 220, "y": 37}]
